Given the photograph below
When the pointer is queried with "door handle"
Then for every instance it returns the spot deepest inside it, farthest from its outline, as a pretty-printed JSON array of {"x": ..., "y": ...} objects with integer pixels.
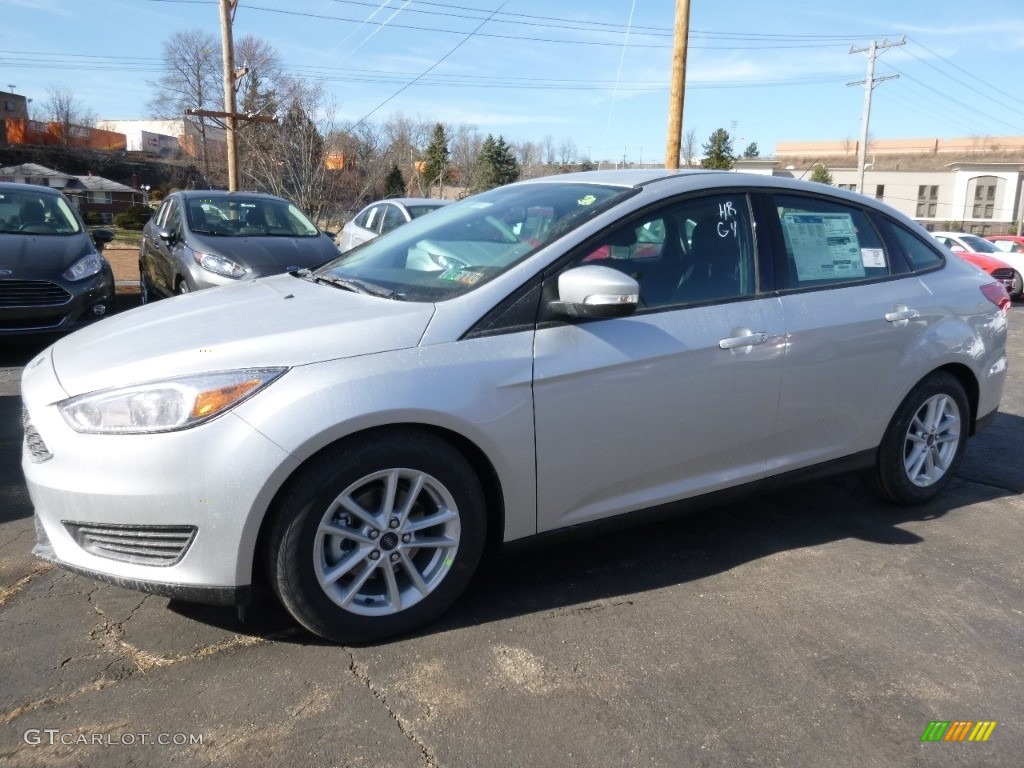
[
  {"x": 748, "y": 339},
  {"x": 901, "y": 315}
]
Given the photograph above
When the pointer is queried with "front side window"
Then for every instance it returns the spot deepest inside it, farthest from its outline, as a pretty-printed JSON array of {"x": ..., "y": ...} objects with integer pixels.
[
  {"x": 464, "y": 245},
  {"x": 695, "y": 250},
  {"x": 828, "y": 242},
  {"x": 392, "y": 218}
]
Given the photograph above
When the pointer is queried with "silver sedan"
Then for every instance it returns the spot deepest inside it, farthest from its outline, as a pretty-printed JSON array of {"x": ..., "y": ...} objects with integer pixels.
[{"x": 553, "y": 353}]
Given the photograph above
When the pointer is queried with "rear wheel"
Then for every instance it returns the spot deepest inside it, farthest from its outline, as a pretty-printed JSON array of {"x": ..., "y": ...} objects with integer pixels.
[
  {"x": 924, "y": 442},
  {"x": 377, "y": 536}
]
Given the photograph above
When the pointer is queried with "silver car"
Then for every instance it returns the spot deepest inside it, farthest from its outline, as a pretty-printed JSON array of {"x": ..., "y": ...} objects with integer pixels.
[
  {"x": 382, "y": 217},
  {"x": 204, "y": 239},
  {"x": 548, "y": 354}
]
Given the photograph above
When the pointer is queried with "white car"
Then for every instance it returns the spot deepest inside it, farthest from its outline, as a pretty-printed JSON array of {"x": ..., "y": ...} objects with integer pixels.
[
  {"x": 382, "y": 217},
  {"x": 963, "y": 243}
]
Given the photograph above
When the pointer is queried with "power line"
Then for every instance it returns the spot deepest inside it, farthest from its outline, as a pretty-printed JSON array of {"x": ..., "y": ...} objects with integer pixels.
[{"x": 430, "y": 68}]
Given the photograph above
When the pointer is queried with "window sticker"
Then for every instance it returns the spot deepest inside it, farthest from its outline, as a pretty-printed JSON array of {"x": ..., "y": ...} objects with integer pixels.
[
  {"x": 825, "y": 245},
  {"x": 873, "y": 257},
  {"x": 462, "y": 276}
]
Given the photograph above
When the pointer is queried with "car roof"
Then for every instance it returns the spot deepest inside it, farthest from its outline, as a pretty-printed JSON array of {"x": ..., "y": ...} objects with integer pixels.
[
  {"x": 15, "y": 186},
  {"x": 193, "y": 194},
  {"x": 413, "y": 200}
]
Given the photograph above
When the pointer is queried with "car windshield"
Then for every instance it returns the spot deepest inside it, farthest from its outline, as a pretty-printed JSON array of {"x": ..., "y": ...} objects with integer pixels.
[
  {"x": 415, "y": 211},
  {"x": 978, "y": 244},
  {"x": 33, "y": 213},
  {"x": 247, "y": 217},
  {"x": 466, "y": 244}
]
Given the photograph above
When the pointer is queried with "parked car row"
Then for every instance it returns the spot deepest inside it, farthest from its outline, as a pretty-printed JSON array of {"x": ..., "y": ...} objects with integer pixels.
[
  {"x": 554, "y": 353},
  {"x": 1004, "y": 265}
]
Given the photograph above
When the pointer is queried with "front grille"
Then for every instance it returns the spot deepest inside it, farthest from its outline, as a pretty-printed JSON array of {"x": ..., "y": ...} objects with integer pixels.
[
  {"x": 138, "y": 544},
  {"x": 32, "y": 293},
  {"x": 37, "y": 449}
]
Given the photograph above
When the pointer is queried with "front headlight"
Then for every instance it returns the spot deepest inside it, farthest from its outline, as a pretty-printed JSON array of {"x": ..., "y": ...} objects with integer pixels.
[
  {"x": 164, "y": 406},
  {"x": 219, "y": 265},
  {"x": 87, "y": 266}
]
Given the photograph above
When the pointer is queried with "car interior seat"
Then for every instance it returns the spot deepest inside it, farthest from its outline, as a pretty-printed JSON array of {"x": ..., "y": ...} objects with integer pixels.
[
  {"x": 716, "y": 260},
  {"x": 33, "y": 217}
]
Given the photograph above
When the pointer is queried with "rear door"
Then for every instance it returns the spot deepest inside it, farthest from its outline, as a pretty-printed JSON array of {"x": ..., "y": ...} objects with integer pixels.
[{"x": 854, "y": 315}]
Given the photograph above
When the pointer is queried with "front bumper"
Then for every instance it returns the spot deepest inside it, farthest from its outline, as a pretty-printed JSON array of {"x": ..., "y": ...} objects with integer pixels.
[
  {"x": 215, "y": 480},
  {"x": 67, "y": 312}
]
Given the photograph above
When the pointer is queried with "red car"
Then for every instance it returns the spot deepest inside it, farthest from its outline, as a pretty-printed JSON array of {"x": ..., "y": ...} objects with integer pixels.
[
  {"x": 1007, "y": 243},
  {"x": 969, "y": 248}
]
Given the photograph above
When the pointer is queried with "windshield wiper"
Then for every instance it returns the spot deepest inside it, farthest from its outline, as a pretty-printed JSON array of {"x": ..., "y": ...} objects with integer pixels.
[{"x": 348, "y": 284}]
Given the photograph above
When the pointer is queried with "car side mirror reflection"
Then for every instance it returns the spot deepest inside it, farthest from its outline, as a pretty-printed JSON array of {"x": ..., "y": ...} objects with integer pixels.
[{"x": 594, "y": 291}]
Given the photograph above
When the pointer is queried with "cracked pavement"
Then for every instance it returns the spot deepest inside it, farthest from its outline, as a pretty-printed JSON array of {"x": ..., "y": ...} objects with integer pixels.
[{"x": 809, "y": 627}]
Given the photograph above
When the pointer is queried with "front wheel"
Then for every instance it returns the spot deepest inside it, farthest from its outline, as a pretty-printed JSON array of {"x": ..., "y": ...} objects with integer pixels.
[
  {"x": 377, "y": 536},
  {"x": 924, "y": 442}
]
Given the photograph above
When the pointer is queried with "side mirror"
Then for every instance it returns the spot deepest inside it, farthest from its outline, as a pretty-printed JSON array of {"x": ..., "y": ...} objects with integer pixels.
[
  {"x": 167, "y": 235},
  {"x": 595, "y": 291},
  {"x": 331, "y": 235},
  {"x": 101, "y": 237}
]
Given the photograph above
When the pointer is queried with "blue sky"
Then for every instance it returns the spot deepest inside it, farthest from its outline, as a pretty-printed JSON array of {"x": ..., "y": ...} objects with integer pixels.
[{"x": 593, "y": 71}]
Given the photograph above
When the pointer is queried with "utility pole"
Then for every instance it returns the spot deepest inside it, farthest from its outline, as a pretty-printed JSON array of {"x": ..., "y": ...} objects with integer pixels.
[
  {"x": 229, "y": 117},
  {"x": 227, "y": 14},
  {"x": 677, "y": 88},
  {"x": 873, "y": 51}
]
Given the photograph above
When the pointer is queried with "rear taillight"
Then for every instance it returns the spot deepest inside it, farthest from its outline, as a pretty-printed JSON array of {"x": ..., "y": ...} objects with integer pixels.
[{"x": 995, "y": 293}]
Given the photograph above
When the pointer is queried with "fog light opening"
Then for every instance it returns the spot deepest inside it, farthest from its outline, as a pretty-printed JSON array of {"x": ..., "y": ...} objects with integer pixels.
[{"x": 99, "y": 310}]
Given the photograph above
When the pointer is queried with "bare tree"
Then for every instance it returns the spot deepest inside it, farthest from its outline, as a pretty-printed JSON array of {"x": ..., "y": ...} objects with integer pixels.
[
  {"x": 293, "y": 155},
  {"x": 689, "y": 147},
  {"x": 464, "y": 146},
  {"x": 262, "y": 66},
  {"x": 566, "y": 151},
  {"x": 527, "y": 154},
  {"x": 191, "y": 79},
  {"x": 61, "y": 107},
  {"x": 547, "y": 148}
]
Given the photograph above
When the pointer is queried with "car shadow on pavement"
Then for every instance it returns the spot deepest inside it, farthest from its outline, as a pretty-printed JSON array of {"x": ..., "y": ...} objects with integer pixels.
[{"x": 686, "y": 548}]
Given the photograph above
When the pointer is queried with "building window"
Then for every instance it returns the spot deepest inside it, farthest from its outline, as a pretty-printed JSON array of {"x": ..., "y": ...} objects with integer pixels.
[
  {"x": 927, "y": 200},
  {"x": 103, "y": 198},
  {"x": 985, "y": 188},
  {"x": 851, "y": 187},
  {"x": 10, "y": 106},
  {"x": 879, "y": 191},
  {"x": 980, "y": 229}
]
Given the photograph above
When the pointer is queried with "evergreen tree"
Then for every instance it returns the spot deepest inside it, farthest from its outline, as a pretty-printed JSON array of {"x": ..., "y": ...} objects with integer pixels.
[
  {"x": 496, "y": 165},
  {"x": 751, "y": 150},
  {"x": 436, "y": 168},
  {"x": 718, "y": 151},
  {"x": 394, "y": 184},
  {"x": 820, "y": 174}
]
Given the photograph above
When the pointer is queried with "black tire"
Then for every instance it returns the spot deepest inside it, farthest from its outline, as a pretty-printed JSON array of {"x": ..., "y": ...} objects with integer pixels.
[
  {"x": 297, "y": 550},
  {"x": 900, "y": 447}
]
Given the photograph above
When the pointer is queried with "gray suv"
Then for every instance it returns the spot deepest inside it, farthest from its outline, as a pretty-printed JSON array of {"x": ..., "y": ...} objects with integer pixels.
[{"x": 202, "y": 239}]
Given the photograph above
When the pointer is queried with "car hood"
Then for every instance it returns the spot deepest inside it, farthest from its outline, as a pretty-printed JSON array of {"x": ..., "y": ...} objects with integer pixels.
[
  {"x": 30, "y": 256},
  {"x": 982, "y": 260},
  {"x": 268, "y": 255},
  {"x": 275, "y": 321}
]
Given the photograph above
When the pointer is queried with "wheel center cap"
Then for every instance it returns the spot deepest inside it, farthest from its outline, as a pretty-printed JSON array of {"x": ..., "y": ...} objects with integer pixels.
[
  {"x": 931, "y": 440},
  {"x": 389, "y": 541}
]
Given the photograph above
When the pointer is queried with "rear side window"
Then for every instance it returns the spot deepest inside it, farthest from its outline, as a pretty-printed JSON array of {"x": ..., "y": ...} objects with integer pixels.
[
  {"x": 918, "y": 254},
  {"x": 828, "y": 243}
]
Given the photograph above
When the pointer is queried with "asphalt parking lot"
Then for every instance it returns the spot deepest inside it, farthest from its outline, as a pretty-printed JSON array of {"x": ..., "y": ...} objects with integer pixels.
[{"x": 812, "y": 627}]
